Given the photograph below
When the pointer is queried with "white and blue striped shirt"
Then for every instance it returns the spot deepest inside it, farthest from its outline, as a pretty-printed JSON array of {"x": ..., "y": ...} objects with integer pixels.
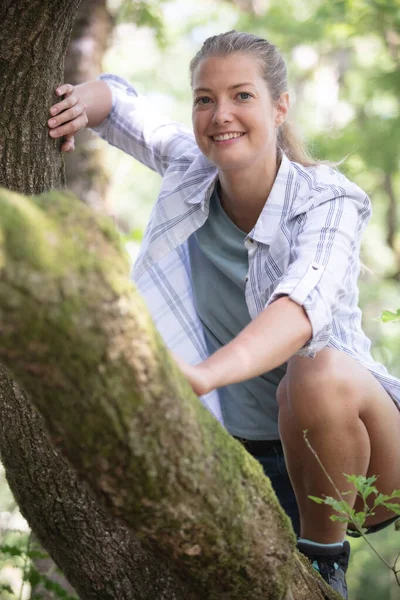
[{"x": 305, "y": 244}]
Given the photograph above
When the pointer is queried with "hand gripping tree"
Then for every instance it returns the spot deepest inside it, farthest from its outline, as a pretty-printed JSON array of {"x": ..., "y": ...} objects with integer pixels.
[{"x": 129, "y": 483}]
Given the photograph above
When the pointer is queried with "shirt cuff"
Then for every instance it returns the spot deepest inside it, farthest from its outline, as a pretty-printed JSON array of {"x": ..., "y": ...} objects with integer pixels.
[
  {"x": 305, "y": 292},
  {"x": 115, "y": 83}
]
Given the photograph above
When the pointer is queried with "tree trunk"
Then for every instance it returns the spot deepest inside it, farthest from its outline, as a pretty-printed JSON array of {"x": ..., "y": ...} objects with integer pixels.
[
  {"x": 80, "y": 341},
  {"x": 85, "y": 172},
  {"x": 34, "y": 35},
  {"x": 97, "y": 553}
]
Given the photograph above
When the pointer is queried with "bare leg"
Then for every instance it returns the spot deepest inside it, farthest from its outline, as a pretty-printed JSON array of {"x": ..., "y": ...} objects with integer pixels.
[{"x": 353, "y": 426}]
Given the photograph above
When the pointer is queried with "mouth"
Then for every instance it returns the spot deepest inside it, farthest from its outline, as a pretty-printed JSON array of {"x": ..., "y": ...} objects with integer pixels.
[{"x": 227, "y": 137}]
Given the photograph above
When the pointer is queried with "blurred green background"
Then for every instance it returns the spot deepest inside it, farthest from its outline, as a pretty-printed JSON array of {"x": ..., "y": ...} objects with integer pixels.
[{"x": 344, "y": 80}]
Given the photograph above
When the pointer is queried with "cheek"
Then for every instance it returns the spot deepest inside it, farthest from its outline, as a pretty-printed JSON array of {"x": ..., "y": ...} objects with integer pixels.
[{"x": 199, "y": 127}]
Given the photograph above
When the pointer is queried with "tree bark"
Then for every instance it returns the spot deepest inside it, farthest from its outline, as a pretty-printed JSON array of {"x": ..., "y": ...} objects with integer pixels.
[
  {"x": 80, "y": 341},
  {"x": 97, "y": 553},
  {"x": 34, "y": 35},
  {"x": 85, "y": 173}
]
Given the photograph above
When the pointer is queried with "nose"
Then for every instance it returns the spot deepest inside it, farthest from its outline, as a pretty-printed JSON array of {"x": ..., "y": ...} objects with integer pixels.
[{"x": 222, "y": 114}]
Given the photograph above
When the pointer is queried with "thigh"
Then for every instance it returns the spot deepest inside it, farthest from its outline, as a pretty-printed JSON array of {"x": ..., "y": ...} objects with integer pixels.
[
  {"x": 382, "y": 420},
  {"x": 345, "y": 381}
]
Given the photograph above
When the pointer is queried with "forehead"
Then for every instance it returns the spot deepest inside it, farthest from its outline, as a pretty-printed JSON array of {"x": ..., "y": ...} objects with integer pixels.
[{"x": 225, "y": 71}]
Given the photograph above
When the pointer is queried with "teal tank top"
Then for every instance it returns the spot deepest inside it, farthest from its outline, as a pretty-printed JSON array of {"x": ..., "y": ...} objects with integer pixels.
[{"x": 219, "y": 265}]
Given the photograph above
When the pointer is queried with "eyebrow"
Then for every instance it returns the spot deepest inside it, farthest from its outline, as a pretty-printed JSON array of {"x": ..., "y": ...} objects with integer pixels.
[{"x": 232, "y": 87}]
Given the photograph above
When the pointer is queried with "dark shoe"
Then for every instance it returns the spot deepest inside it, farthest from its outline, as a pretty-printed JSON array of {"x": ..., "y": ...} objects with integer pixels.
[{"x": 331, "y": 567}]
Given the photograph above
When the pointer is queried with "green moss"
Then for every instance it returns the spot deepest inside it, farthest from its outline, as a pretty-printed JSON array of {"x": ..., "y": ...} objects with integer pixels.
[
  {"x": 27, "y": 234},
  {"x": 101, "y": 376}
]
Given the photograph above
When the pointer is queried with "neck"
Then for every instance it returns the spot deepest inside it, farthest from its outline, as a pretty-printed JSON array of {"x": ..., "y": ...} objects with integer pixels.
[{"x": 244, "y": 192}]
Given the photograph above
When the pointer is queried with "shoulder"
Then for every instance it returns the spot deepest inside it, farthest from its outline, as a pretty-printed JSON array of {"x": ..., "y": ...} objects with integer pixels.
[{"x": 321, "y": 183}]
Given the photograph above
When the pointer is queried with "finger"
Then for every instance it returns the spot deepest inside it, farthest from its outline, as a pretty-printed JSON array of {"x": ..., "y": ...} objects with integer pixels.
[
  {"x": 66, "y": 115},
  {"x": 69, "y": 128},
  {"x": 67, "y": 147},
  {"x": 68, "y": 143},
  {"x": 66, "y": 88},
  {"x": 64, "y": 105}
]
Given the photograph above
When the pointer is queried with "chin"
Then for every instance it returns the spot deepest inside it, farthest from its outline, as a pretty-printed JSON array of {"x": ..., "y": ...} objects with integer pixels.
[{"x": 229, "y": 165}]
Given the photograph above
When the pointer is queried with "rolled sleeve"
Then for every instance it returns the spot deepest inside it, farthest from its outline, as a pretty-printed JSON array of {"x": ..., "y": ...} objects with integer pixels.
[
  {"x": 325, "y": 261},
  {"x": 135, "y": 128}
]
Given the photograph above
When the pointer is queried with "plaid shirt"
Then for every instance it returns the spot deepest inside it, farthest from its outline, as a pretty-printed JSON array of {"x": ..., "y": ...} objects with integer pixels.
[{"x": 305, "y": 244}]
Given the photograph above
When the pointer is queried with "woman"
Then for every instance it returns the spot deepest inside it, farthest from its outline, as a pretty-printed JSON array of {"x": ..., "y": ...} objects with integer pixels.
[{"x": 249, "y": 266}]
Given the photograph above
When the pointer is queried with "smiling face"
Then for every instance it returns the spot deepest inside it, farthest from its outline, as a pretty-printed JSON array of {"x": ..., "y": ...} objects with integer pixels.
[{"x": 234, "y": 118}]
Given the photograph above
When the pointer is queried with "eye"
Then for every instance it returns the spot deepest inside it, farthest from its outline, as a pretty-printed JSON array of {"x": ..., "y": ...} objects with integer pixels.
[
  {"x": 244, "y": 95},
  {"x": 202, "y": 100}
]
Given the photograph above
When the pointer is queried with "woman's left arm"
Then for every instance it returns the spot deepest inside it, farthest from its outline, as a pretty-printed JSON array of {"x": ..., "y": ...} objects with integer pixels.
[
  {"x": 268, "y": 341},
  {"x": 298, "y": 316}
]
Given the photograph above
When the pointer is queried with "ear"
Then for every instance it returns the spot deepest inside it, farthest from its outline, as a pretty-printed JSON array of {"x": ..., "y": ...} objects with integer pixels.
[{"x": 281, "y": 109}]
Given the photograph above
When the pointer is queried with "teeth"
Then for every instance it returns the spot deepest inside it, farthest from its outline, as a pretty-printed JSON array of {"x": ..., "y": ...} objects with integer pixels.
[{"x": 226, "y": 136}]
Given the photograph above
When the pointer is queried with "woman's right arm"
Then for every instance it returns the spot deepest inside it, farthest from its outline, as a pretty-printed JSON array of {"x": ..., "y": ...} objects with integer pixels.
[
  {"x": 113, "y": 108},
  {"x": 84, "y": 105}
]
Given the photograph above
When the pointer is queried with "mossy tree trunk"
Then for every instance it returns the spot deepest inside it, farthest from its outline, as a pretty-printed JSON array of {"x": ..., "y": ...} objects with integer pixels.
[
  {"x": 97, "y": 553},
  {"x": 175, "y": 509},
  {"x": 79, "y": 340}
]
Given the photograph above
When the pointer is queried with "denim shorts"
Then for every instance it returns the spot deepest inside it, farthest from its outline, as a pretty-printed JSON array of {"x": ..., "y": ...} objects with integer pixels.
[{"x": 274, "y": 466}]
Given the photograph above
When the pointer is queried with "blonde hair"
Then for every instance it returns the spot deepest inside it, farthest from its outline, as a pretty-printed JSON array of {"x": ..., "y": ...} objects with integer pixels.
[{"x": 274, "y": 73}]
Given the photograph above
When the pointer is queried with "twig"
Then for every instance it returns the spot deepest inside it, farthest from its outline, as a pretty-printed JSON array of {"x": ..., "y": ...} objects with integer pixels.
[
  {"x": 350, "y": 518},
  {"x": 26, "y": 559}
]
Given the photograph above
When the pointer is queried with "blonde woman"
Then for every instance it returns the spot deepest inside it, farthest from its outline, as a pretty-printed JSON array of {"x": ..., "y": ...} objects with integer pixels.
[{"x": 249, "y": 266}]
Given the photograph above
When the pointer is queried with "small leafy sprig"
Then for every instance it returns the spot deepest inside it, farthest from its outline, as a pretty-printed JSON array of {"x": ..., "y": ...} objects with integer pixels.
[
  {"x": 347, "y": 514},
  {"x": 23, "y": 558}
]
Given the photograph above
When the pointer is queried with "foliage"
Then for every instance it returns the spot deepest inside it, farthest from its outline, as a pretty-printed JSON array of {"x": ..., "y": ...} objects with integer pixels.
[
  {"x": 144, "y": 13},
  {"x": 345, "y": 513},
  {"x": 20, "y": 555}
]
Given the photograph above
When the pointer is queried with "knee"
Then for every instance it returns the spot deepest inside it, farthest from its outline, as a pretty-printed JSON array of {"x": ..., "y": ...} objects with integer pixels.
[{"x": 321, "y": 387}]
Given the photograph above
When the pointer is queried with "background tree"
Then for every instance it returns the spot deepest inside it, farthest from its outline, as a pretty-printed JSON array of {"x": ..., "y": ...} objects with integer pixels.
[{"x": 91, "y": 33}]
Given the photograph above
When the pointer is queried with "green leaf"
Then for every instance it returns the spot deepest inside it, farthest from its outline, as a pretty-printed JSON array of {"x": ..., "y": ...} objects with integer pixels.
[
  {"x": 360, "y": 517},
  {"x": 364, "y": 485},
  {"x": 340, "y": 506},
  {"x": 6, "y": 588},
  {"x": 338, "y": 518},
  {"x": 37, "y": 554},
  {"x": 33, "y": 576},
  {"x": 393, "y": 507},
  {"x": 394, "y": 494},
  {"x": 316, "y": 499},
  {"x": 388, "y": 315},
  {"x": 11, "y": 550},
  {"x": 55, "y": 587}
]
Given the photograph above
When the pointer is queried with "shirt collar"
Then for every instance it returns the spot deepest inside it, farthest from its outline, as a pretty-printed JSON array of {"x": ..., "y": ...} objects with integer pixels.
[
  {"x": 200, "y": 180},
  {"x": 275, "y": 206},
  {"x": 270, "y": 217}
]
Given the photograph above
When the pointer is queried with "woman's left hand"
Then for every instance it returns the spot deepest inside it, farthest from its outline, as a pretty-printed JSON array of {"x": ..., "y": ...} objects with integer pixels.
[{"x": 196, "y": 376}]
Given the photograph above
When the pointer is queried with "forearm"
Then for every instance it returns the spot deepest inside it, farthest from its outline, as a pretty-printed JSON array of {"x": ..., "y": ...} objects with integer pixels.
[
  {"x": 96, "y": 96},
  {"x": 267, "y": 342}
]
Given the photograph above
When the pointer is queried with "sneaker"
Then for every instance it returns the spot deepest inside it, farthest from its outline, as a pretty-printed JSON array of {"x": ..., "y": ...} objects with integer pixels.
[{"x": 331, "y": 567}]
